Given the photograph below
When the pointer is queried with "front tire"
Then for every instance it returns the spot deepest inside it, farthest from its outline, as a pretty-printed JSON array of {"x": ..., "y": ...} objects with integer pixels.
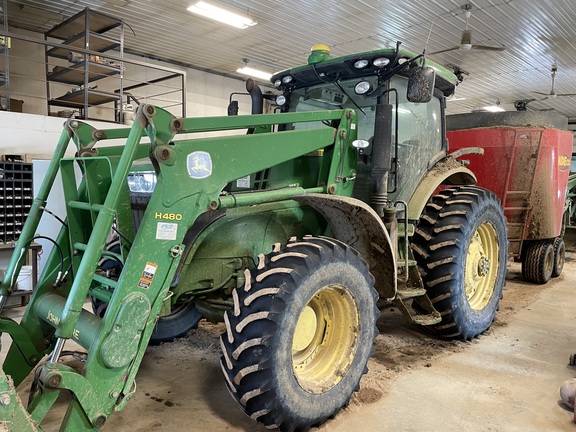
[
  {"x": 178, "y": 323},
  {"x": 461, "y": 248},
  {"x": 300, "y": 334}
]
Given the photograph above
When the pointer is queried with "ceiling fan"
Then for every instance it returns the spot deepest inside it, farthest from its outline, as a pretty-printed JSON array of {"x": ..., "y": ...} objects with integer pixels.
[
  {"x": 552, "y": 93},
  {"x": 466, "y": 39},
  {"x": 522, "y": 105}
]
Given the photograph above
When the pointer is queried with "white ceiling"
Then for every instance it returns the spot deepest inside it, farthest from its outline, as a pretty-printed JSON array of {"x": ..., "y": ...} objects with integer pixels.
[{"x": 535, "y": 33}]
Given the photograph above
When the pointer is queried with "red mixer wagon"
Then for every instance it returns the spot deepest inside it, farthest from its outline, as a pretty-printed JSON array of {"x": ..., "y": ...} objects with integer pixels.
[{"x": 526, "y": 162}]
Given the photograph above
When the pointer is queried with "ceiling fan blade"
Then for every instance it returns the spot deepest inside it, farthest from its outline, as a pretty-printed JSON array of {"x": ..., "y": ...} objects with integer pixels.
[
  {"x": 487, "y": 48},
  {"x": 445, "y": 50},
  {"x": 565, "y": 94}
]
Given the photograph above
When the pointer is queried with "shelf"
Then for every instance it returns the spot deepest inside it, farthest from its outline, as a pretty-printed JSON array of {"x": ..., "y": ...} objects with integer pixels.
[
  {"x": 76, "y": 99},
  {"x": 79, "y": 32},
  {"x": 98, "y": 23},
  {"x": 16, "y": 181},
  {"x": 75, "y": 74},
  {"x": 97, "y": 42}
]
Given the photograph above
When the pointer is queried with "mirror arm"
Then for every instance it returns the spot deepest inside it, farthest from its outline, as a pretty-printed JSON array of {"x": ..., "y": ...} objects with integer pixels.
[{"x": 378, "y": 91}]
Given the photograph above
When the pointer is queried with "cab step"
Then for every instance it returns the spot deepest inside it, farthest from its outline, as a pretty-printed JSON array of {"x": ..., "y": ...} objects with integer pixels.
[
  {"x": 406, "y": 293},
  {"x": 402, "y": 263},
  {"x": 417, "y": 317},
  {"x": 426, "y": 320}
]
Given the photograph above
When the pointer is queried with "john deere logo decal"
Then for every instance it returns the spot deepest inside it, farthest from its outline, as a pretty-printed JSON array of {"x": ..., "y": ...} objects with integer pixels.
[
  {"x": 199, "y": 165},
  {"x": 563, "y": 163}
]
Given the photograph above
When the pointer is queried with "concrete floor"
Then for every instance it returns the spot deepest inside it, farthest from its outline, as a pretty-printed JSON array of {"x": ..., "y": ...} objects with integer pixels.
[{"x": 507, "y": 380}]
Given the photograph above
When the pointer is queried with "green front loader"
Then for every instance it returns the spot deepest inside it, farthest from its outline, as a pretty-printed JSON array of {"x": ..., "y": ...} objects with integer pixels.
[{"x": 294, "y": 232}]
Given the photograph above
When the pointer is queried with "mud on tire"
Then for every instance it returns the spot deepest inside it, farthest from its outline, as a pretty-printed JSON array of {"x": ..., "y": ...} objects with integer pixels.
[
  {"x": 461, "y": 248},
  {"x": 300, "y": 333}
]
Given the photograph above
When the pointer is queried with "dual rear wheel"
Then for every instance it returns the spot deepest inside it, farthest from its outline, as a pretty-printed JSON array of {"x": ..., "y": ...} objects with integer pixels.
[{"x": 543, "y": 259}]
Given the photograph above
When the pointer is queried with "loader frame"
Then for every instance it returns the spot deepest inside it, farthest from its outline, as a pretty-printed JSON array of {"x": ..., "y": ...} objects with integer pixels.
[{"x": 116, "y": 343}]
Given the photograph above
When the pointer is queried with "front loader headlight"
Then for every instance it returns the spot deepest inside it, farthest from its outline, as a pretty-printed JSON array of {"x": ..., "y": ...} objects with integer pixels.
[{"x": 142, "y": 182}]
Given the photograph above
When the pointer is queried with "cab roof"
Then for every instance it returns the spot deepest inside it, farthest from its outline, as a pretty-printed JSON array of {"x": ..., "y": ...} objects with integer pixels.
[{"x": 323, "y": 68}]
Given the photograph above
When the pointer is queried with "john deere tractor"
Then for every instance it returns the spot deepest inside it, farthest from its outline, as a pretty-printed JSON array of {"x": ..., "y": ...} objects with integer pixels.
[{"x": 294, "y": 233}]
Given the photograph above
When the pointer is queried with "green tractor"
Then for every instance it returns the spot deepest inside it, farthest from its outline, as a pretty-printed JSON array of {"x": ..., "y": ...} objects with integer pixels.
[{"x": 294, "y": 234}]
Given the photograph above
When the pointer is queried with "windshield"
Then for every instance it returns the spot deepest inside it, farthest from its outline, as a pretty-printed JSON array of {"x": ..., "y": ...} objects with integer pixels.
[
  {"x": 329, "y": 96},
  {"x": 419, "y": 127}
]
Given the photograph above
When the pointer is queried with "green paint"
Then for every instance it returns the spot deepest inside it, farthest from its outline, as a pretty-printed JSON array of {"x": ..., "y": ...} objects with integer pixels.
[{"x": 218, "y": 204}]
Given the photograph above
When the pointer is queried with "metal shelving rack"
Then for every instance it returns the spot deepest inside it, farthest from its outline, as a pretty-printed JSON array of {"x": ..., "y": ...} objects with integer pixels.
[
  {"x": 15, "y": 198},
  {"x": 85, "y": 30},
  {"x": 4, "y": 47}
]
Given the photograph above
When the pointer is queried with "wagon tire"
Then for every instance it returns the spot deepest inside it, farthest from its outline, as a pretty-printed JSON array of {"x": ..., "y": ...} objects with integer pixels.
[
  {"x": 461, "y": 249},
  {"x": 559, "y": 256},
  {"x": 300, "y": 333},
  {"x": 538, "y": 262}
]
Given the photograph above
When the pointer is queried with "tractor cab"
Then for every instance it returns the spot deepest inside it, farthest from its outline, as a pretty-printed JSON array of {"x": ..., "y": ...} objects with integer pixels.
[{"x": 400, "y": 108}]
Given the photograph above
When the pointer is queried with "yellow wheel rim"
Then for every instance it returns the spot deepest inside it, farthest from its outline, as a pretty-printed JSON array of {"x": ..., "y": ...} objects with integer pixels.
[
  {"x": 481, "y": 266},
  {"x": 325, "y": 339}
]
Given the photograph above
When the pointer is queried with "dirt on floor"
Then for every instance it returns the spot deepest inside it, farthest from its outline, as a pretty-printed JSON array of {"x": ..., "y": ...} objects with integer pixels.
[
  {"x": 190, "y": 365},
  {"x": 399, "y": 346}
]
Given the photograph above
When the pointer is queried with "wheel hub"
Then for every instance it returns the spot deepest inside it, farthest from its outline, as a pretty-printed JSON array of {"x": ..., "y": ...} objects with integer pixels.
[
  {"x": 480, "y": 274},
  {"x": 325, "y": 339},
  {"x": 305, "y": 329},
  {"x": 483, "y": 266}
]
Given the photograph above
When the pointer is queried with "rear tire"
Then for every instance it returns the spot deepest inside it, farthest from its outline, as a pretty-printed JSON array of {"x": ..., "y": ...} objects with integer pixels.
[
  {"x": 300, "y": 334},
  {"x": 538, "y": 263},
  {"x": 559, "y": 256},
  {"x": 461, "y": 248}
]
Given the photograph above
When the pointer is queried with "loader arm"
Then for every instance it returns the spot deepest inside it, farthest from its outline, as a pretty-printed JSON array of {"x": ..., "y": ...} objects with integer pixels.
[{"x": 191, "y": 176}]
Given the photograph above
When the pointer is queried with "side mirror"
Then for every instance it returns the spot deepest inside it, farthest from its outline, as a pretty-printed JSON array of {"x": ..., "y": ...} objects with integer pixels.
[{"x": 421, "y": 85}]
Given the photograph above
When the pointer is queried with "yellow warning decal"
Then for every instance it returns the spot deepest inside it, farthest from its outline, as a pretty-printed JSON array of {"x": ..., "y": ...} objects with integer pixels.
[{"x": 147, "y": 275}]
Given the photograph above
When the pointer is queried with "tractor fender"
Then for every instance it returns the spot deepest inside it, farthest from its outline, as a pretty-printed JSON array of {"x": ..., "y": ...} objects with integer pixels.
[
  {"x": 355, "y": 223},
  {"x": 447, "y": 171}
]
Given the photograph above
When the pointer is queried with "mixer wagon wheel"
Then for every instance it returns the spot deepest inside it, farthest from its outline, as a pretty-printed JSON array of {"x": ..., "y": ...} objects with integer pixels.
[
  {"x": 461, "y": 249},
  {"x": 300, "y": 334},
  {"x": 538, "y": 262},
  {"x": 559, "y": 256}
]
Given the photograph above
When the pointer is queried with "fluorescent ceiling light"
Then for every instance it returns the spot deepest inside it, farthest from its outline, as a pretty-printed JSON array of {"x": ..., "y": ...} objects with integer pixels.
[
  {"x": 493, "y": 108},
  {"x": 222, "y": 15},
  {"x": 264, "y": 76}
]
